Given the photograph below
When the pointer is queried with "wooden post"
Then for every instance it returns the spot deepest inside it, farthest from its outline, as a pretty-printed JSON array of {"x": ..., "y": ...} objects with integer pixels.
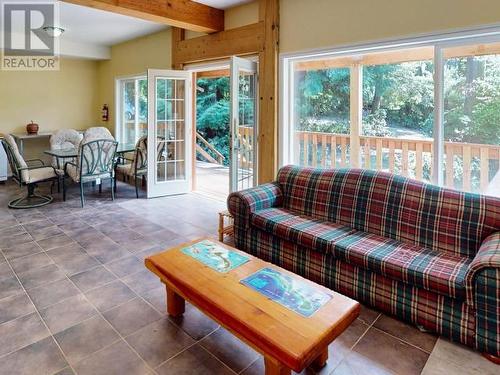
[
  {"x": 178, "y": 35},
  {"x": 275, "y": 368},
  {"x": 356, "y": 104},
  {"x": 320, "y": 361},
  {"x": 175, "y": 303},
  {"x": 267, "y": 160}
]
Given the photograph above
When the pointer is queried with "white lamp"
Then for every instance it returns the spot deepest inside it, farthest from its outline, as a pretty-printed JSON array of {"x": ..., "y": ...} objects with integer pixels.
[{"x": 54, "y": 31}]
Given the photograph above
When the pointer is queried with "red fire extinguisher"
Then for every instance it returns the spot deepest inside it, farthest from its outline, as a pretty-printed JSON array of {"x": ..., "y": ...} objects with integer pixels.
[{"x": 105, "y": 112}]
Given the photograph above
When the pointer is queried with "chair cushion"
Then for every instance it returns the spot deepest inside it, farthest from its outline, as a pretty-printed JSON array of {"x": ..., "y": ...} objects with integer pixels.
[
  {"x": 315, "y": 234},
  {"x": 436, "y": 271},
  {"x": 73, "y": 172},
  {"x": 125, "y": 169},
  {"x": 128, "y": 170},
  {"x": 40, "y": 174}
]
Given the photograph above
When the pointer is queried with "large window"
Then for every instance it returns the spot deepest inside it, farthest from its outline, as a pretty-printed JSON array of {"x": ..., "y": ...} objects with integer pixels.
[
  {"x": 132, "y": 116},
  {"x": 377, "y": 110}
]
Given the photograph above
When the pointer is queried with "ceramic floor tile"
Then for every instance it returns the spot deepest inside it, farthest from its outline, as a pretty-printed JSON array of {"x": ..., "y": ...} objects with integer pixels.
[
  {"x": 50, "y": 294},
  {"x": 55, "y": 241},
  {"x": 159, "y": 341},
  {"x": 42, "y": 357},
  {"x": 395, "y": 355},
  {"x": 131, "y": 316},
  {"x": 46, "y": 233},
  {"x": 14, "y": 307},
  {"x": 459, "y": 356},
  {"x": 40, "y": 276},
  {"x": 85, "y": 338},
  {"x": 10, "y": 241},
  {"x": 117, "y": 359},
  {"x": 406, "y": 332},
  {"x": 195, "y": 323},
  {"x": 17, "y": 251},
  {"x": 30, "y": 262},
  {"x": 110, "y": 295},
  {"x": 21, "y": 332},
  {"x": 5, "y": 270},
  {"x": 234, "y": 353},
  {"x": 92, "y": 278},
  {"x": 126, "y": 266},
  {"x": 67, "y": 313},
  {"x": 194, "y": 360},
  {"x": 143, "y": 281},
  {"x": 9, "y": 286},
  {"x": 357, "y": 364}
]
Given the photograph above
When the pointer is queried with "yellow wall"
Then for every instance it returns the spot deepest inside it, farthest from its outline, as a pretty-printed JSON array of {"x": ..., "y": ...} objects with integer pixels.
[
  {"x": 131, "y": 58},
  {"x": 55, "y": 100},
  {"x": 245, "y": 14},
  {"x": 325, "y": 23}
]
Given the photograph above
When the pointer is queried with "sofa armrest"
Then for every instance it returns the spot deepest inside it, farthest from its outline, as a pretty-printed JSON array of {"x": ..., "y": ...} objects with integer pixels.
[
  {"x": 486, "y": 267},
  {"x": 243, "y": 203}
]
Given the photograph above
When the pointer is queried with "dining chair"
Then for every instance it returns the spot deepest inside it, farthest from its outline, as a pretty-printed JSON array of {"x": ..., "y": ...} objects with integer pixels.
[
  {"x": 138, "y": 166},
  {"x": 29, "y": 176},
  {"x": 63, "y": 140},
  {"x": 95, "y": 161}
]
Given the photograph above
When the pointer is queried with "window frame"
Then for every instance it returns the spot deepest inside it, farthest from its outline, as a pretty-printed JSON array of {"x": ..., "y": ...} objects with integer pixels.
[
  {"x": 438, "y": 42},
  {"x": 119, "y": 96}
]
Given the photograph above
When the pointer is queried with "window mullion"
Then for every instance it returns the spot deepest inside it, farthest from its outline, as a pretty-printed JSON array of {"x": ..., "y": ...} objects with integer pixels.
[{"x": 438, "y": 146}]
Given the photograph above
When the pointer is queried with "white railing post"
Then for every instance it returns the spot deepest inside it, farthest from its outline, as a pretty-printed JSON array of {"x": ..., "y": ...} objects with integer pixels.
[
  {"x": 438, "y": 145},
  {"x": 356, "y": 109}
]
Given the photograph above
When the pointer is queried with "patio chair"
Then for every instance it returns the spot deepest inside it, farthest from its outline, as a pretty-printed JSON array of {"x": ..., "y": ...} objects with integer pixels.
[
  {"x": 95, "y": 161},
  {"x": 138, "y": 168},
  {"x": 62, "y": 140},
  {"x": 29, "y": 176}
]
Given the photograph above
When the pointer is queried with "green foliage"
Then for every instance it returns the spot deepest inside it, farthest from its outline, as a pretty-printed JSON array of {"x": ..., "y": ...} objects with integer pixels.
[
  {"x": 212, "y": 113},
  {"x": 400, "y": 98}
]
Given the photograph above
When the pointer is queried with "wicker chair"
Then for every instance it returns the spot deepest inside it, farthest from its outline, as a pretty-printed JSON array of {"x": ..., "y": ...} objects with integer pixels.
[
  {"x": 95, "y": 161},
  {"x": 29, "y": 176}
]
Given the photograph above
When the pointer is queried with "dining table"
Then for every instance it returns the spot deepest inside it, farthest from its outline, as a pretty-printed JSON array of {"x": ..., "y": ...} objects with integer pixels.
[{"x": 70, "y": 153}]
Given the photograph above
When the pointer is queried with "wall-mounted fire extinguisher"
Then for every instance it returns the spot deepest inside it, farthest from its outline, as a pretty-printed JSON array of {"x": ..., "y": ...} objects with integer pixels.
[{"x": 105, "y": 113}]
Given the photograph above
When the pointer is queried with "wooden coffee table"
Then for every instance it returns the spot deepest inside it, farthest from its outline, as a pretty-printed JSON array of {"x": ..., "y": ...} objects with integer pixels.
[{"x": 287, "y": 340}]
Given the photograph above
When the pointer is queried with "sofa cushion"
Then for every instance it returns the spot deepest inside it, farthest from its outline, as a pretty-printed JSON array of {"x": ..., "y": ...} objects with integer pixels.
[
  {"x": 318, "y": 235},
  {"x": 392, "y": 206},
  {"x": 436, "y": 271}
]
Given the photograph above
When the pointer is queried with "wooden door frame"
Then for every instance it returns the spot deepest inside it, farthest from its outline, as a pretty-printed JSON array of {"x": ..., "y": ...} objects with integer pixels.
[{"x": 262, "y": 39}]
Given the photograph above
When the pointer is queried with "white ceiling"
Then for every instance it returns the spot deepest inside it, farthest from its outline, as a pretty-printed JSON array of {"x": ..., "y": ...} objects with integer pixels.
[
  {"x": 96, "y": 30},
  {"x": 102, "y": 28}
]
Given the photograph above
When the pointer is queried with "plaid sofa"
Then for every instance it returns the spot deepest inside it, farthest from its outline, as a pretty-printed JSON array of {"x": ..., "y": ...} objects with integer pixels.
[{"x": 425, "y": 254}]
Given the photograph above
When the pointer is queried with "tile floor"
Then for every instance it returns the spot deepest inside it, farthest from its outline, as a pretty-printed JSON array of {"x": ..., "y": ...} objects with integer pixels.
[{"x": 76, "y": 298}]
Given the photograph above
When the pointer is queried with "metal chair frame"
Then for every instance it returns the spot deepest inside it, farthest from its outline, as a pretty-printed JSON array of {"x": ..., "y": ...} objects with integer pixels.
[
  {"x": 95, "y": 165},
  {"x": 17, "y": 177}
]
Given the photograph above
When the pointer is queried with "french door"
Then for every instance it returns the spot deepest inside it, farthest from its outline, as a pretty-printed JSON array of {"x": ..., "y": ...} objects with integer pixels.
[
  {"x": 243, "y": 137},
  {"x": 169, "y": 132}
]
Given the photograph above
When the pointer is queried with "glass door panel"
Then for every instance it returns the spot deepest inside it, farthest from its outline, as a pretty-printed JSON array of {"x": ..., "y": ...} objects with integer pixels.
[
  {"x": 243, "y": 123},
  {"x": 169, "y": 122},
  {"x": 471, "y": 118}
]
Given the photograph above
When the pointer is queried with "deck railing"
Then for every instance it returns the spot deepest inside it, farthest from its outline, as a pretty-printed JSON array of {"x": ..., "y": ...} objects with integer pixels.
[{"x": 467, "y": 166}]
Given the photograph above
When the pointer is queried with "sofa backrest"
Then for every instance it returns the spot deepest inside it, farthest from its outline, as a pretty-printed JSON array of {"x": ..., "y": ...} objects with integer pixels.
[{"x": 392, "y": 206}]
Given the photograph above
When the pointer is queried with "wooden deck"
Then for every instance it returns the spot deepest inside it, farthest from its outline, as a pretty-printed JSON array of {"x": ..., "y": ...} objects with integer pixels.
[{"x": 212, "y": 179}]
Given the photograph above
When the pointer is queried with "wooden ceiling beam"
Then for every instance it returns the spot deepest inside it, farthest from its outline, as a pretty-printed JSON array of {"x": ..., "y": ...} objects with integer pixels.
[
  {"x": 245, "y": 40},
  {"x": 185, "y": 14}
]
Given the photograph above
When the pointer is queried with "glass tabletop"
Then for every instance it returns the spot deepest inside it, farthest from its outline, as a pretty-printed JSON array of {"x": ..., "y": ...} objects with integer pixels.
[{"x": 73, "y": 152}]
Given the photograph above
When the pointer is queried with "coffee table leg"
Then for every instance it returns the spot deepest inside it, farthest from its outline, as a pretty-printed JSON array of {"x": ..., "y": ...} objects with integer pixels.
[
  {"x": 175, "y": 303},
  {"x": 275, "y": 368},
  {"x": 320, "y": 361}
]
